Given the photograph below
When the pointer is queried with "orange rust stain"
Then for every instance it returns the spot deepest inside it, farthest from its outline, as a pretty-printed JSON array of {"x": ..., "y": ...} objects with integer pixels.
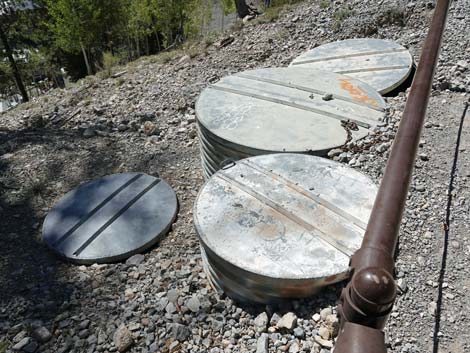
[{"x": 358, "y": 94}]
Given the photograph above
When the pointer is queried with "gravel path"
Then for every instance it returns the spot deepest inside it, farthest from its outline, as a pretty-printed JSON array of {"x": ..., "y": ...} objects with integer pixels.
[{"x": 144, "y": 121}]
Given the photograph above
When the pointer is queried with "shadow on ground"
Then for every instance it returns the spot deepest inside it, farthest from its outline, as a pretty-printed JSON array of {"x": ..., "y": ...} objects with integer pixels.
[
  {"x": 442, "y": 272},
  {"x": 37, "y": 167}
]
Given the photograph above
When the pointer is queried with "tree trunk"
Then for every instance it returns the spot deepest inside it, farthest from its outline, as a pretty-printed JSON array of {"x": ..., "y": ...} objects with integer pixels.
[
  {"x": 183, "y": 35},
  {"x": 129, "y": 48},
  {"x": 242, "y": 8},
  {"x": 14, "y": 67},
  {"x": 223, "y": 19},
  {"x": 85, "y": 57},
  {"x": 137, "y": 46},
  {"x": 158, "y": 43}
]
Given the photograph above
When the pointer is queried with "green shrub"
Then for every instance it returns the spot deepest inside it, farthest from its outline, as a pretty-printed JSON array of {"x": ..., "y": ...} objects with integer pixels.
[
  {"x": 271, "y": 14},
  {"x": 109, "y": 62},
  {"x": 392, "y": 15},
  {"x": 324, "y": 4},
  {"x": 340, "y": 15}
]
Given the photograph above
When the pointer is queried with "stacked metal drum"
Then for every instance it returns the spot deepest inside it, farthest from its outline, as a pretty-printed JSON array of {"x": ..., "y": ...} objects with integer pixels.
[
  {"x": 289, "y": 110},
  {"x": 281, "y": 225},
  {"x": 274, "y": 221}
]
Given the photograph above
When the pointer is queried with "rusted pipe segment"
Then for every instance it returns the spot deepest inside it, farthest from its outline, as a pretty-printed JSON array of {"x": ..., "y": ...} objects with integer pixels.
[
  {"x": 360, "y": 339},
  {"x": 369, "y": 296},
  {"x": 384, "y": 224}
]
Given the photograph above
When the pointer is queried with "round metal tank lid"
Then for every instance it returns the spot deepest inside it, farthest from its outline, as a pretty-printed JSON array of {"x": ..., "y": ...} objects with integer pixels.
[
  {"x": 382, "y": 64},
  {"x": 288, "y": 110},
  {"x": 111, "y": 218},
  {"x": 284, "y": 217}
]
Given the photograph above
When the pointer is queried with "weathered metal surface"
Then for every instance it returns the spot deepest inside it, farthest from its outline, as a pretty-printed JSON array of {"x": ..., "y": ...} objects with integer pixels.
[
  {"x": 281, "y": 225},
  {"x": 382, "y": 64},
  {"x": 368, "y": 298},
  {"x": 111, "y": 218},
  {"x": 283, "y": 110}
]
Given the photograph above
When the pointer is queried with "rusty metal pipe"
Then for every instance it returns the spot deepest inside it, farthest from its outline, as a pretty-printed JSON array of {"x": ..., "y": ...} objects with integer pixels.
[
  {"x": 384, "y": 224},
  {"x": 369, "y": 296}
]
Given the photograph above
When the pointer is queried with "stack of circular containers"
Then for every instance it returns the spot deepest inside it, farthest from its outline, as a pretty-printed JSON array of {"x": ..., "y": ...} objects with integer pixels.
[
  {"x": 283, "y": 225},
  {"x": 294, "y": 110}
]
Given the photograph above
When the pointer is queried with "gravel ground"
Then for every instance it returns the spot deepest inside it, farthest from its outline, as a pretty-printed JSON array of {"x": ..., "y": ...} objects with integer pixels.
[{"x": 143, "y": 121}]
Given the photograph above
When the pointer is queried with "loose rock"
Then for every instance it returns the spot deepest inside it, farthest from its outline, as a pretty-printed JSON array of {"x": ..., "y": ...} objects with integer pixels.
[
  {"x": 288, "y": 322},
  {"x": 325, "y": 313},
  {"x": 261, "y": 322},
  {"x": 21, "y": 344},
  {"x": 194, "y": 304},
  {"x": 42, "y": 334},
  {"x": 135, "y": 260},
  {"x": 123, "y": 339},
  {"x": 180, "y": 332},
  {"x": 262, "y": 343}
]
